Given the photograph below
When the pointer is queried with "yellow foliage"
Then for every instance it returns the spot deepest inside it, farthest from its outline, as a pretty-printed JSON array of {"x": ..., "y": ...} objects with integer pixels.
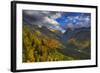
[
  {"x": 38, "y": 47},
  {"x": 30, "y": 55}
]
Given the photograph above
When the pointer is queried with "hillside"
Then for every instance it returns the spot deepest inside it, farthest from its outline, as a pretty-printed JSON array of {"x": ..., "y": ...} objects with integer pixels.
[
  {"x": 39, "y": 47},
  {"x": 40, "y": 44},
  {"x": 78, "y": 43}
]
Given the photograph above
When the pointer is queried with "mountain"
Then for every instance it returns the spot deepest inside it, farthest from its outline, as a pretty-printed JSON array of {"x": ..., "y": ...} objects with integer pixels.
[
  {"x": 72, "y": 33},
  {"x": 77, "y": 43}
]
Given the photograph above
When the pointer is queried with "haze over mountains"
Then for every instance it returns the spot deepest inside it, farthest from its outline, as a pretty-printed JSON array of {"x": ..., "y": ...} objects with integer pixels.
[
  {"x": 57, "y": 21},
  {"x": 71, "y": 29}
]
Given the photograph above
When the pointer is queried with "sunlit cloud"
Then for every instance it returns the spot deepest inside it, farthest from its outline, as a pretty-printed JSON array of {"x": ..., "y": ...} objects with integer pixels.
[{"x": 59, "y": 21}]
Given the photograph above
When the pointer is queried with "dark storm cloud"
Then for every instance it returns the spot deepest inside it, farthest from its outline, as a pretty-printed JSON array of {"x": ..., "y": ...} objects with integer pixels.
[
  {"x": 42, "y": 18},
  {"x": 33, "y": 17},
  {"x": 38, "y": 17}
]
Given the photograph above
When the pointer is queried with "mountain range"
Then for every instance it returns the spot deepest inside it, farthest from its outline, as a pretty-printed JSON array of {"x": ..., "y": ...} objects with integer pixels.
[{"x": 73, "y": 41}]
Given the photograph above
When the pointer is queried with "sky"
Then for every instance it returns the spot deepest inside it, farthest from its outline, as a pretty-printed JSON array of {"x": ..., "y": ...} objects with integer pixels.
[{"x": 59, "y": 21}]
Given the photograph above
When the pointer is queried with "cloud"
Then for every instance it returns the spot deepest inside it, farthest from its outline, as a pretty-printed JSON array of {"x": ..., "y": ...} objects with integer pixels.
[
  {"x": 78, "y": 21},
  {"x": 32, "y": 17},
  {"x": 84, "y": 21},
  {"x": 43, "y": 18},
  {"x": 50, "y": 21},
  {"x": 56, "y": 15},
  {"x": 56, "y": 20},
  {"x": 70, "y": 26}
]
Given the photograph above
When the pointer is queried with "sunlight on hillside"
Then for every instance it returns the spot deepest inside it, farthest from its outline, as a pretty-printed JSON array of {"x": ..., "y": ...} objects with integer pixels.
[{"x": 39, "y": 48}]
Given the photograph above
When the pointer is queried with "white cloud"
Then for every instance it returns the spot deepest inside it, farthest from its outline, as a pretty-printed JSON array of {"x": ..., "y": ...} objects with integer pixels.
[
  {"x": 70, "y": 25},
  {"x": 83, "y": 21},
  {"x": 56, "y": 15},
  {"x": 70, "y": 17},
  {"x": 51, "y": 21},
  {"x": 76, "y": 17}
]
